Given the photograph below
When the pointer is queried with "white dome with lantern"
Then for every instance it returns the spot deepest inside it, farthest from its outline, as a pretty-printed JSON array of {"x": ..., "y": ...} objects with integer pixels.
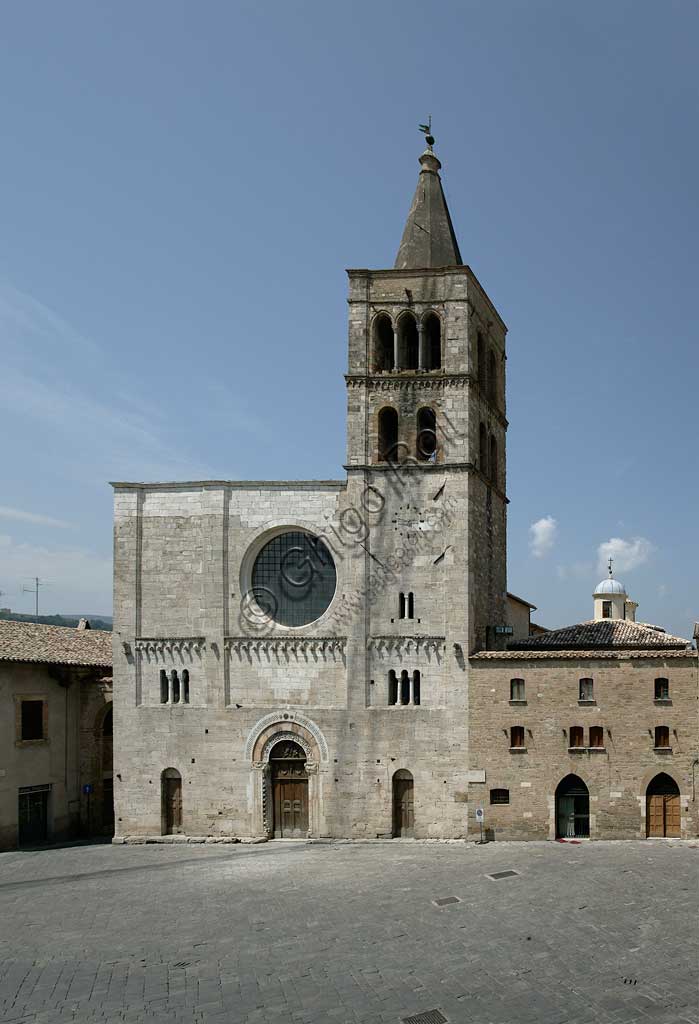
[{"x": 612, "y": 601}]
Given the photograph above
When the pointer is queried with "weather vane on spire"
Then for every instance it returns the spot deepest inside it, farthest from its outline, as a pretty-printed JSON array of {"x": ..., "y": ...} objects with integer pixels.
[
  {"x": 426, "y": 130},
  {"x": 611, "y": 562}
]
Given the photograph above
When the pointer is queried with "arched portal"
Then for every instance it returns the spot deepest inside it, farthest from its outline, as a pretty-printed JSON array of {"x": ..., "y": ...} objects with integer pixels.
[
  {"x": 432, "y": 330},
  {"x": 264, "y": 747},
  {"x": 171, "y": 799},
  {"x": 572, "y": 808},
  {"x": 663, "y": 807},
  {"x": 289, "y": 790},
  {"x": 403, "y": 805}
]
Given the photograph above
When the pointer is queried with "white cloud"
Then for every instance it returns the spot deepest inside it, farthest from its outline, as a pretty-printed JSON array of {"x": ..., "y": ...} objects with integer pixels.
[
  {"x": 31, "y": 517},
  {"x": 626, "y": 554},
  {"x": 542, "y": 536}
]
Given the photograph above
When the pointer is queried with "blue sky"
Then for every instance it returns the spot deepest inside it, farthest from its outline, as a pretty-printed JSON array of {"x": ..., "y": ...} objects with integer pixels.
[{"x": 182, "y": 186}]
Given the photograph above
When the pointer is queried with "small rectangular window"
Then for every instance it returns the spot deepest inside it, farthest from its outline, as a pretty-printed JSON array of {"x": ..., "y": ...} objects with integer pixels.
[
  {"x": 499, "y": 796},
  {"x": 662, "y": 689},
  {"x": 606, "y": 609},
  {"x": 517, "y": 736},
  {"x": 662, "y": 736},
  {"x": 32, "y": 720},
  {"x": 516, "y": 689},
  {"x": 596, "y": 736},
  {"x": 586, "y": 691},
  {"x": 577, "y": 736}
]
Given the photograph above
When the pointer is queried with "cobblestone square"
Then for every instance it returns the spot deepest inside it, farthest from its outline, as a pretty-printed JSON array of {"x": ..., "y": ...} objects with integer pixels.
[{"x": 347, "y": 933}]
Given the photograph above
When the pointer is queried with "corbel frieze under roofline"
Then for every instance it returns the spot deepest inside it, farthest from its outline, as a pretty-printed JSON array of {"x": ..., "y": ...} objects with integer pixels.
[{"x": 313, "y": 645}]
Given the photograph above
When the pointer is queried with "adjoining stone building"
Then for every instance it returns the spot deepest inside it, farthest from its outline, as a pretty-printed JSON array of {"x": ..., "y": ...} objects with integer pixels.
[
  {"x": 294, "y": 658},
  {"x": 590, "y": 730},
  {"x": 55, "y": 733}
]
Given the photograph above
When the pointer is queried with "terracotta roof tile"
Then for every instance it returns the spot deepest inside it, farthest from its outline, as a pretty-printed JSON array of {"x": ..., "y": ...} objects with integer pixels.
[
  {"x": 58, "y": 645},
  {"x": 615, "y": 634}
]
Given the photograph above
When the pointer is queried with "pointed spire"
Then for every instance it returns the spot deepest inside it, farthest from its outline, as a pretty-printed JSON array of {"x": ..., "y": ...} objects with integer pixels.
[{"x": 428, "y": 239}]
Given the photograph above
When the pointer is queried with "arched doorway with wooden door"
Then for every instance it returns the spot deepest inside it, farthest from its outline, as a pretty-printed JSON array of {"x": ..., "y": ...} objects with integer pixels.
[
  {"x": 403, "y": 805},
  {"x": 287, "y": 761},
  {"x": 663, "y": 808},
  {"x": 171, "y": 800},
  {"x": 572, "y": 809}
]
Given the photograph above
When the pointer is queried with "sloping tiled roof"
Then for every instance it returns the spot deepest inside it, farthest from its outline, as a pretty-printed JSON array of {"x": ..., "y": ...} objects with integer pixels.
[
  {"x": 605, "y": 634},
  {"x": 57, "y": 645},
  {"x": 553, "y": 653}
]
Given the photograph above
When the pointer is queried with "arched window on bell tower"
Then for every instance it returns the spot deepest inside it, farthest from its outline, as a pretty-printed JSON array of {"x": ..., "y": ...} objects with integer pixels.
[
  {"x": 382, "y": 343},
  {"x": 492, "y": 378},
  {"x": 480, "y": 360},
  {"x": 407, "y": 342},
  {"x": 426, "y": 441},
  {"x": 388, "y": 435},
  {"x": 432, "y": 342},
  {"x": 493, "y": 460},
  {"x": 483, "y": 450}
]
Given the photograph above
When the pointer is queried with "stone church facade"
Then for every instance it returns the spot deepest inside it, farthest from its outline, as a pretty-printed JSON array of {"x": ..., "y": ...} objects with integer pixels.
[{"x": 296, "y": 658}]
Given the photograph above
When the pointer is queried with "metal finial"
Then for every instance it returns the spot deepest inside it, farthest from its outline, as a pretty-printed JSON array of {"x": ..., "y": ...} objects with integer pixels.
[
  {"x": 611, "y": 562},
  {"x": 426, "y": 130}
]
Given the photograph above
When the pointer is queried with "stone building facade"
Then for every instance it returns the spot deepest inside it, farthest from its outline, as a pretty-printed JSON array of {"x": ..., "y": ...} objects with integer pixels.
[
  {"x": 55, "y": 733},
  {"x": 293, "y": 658}
]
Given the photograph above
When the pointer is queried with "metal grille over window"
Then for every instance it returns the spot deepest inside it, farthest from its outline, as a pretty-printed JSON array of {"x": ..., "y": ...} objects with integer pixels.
[
  {"x": 499, "y": 796},
  {"x": 294, "y": 578}
]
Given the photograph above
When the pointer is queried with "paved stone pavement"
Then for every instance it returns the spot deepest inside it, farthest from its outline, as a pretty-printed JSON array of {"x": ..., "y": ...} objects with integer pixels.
[{"x": 347, "y": 933}]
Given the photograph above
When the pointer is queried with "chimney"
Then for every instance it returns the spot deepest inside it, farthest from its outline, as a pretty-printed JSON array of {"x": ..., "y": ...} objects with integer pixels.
[
  {"x": 84, "y": 624},
  {"x": 630, "y": 610}
]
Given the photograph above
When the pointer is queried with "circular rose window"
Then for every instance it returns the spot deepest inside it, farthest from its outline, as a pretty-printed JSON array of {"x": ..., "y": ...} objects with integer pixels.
[{"x": 293, "y": 578}]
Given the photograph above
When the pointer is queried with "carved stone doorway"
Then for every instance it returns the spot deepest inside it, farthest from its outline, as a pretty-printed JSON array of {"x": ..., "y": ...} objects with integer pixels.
[{"x": 289, "y": 790}]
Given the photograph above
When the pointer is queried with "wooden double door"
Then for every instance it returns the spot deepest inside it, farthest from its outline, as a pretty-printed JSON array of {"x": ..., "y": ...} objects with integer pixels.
[
  {"x": 289, "y": 791},
  {"x": 663, "y": 808}
]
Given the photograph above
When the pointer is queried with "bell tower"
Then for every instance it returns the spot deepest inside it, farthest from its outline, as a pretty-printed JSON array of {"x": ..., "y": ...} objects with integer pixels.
[{"x": 426, "y": 426}]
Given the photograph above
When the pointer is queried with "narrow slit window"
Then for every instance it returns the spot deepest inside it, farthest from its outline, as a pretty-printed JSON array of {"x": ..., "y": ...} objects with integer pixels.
[
  {"x": 662, "y": 736},
  {"x": 517, "y": 736},
  {"x": 480, "y": 358},
  {"x": 404, "y": 687},
  {"x": 401, "y": 605},
  {"x": 577, "y": 736},
  {"x": 432, "y": 330},
  {"x": 493, "y": 460},
  {"x": 492, "y": 379},
  {"x": 596, "y": 736},
  {"x": 175, "y": 683},
  {"x": 185, "y": 686},
  {"x": 662, "y": 689},
  {"x": 411, "y": 605},
  {"x": 416, "y": 687},
  {"x": 164, "y": 687},
  {"x": 517, "y": 689}
]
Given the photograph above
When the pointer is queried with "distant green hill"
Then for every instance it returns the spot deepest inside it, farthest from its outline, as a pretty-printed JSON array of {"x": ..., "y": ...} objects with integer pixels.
[{"x": 96, "y": 622}]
